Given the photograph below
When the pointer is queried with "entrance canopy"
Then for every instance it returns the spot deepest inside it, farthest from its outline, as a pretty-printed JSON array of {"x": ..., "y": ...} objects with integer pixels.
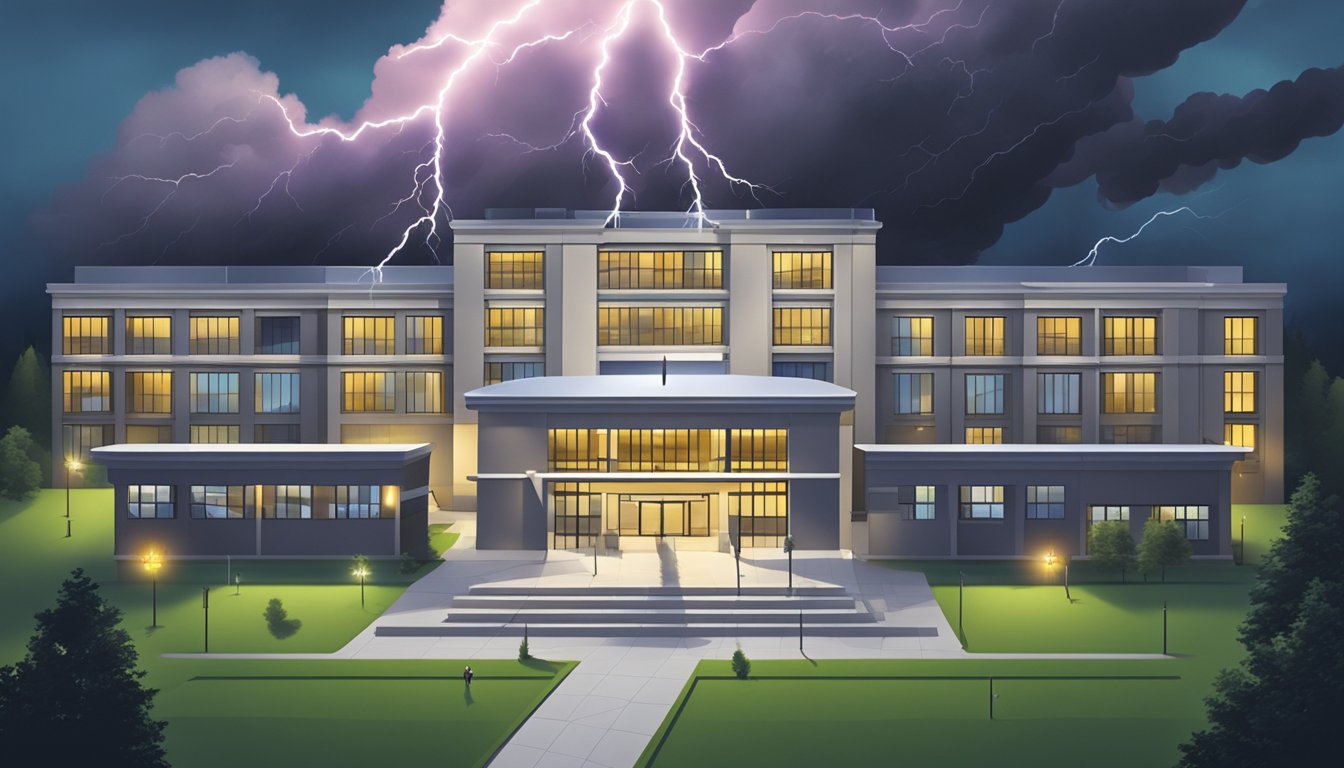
[{"x": 651, "y": 394}]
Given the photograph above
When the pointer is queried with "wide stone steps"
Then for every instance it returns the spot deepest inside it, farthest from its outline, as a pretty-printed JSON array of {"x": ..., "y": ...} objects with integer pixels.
[{"x": 510, "y": 611}]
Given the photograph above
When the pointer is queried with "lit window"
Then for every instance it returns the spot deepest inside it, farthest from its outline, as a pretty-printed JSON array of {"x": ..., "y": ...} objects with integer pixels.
[
  {"x": 149, "y": 392},
  {"x": 1045, "y": 502},
  {"x": 515, "y": 270},
  {"x": 984, "y": 336},
  {"x": 220, "y": 502},
  {"x": 1239, "y": 335},
  {"x": 368, "y": 392},
  {"x": 659, "y": 270},
  {"x": 802, "y": 369},
  {"x": 1057, "y": 393},
  {"x": 149, "y": 336},
  {"x": 78, "y": 439},
  {"x": 802, "y": 326},
  {"x": 369, "y": 336},
  {"x": 86, "y": 391},
  {"x": 218, "y": 434},
  {"x": 424, "y": 392},
  {"x": 214, "y": 392},
  {"x": 1239, "y": 392},
  {"x": 424, "y": 335},
  {"x": 755, "y": 450},
  {"x": 278, "y": 335},
  {"x": 577, "y": 450},
  {"x": 1059, "y": 335},
  {"x": 914, "y": 393},
  {"x": 287, "y": 502},
  {"x": 277, "y": 393},
  {"x": 912, "y": 337},
  {"x": 1193, "y": 519},
  {"x": 496, "y": 372},
  {"x": 149, "y": 433},
  {"x": 1240, "y": 435},
  {"x": 982, "y": 502},
  {"x": 802, "y": 269},
  {"x": 761, "y": 510},
  {"x": 984, "y": 435},
  {"x": 1129, "y": 392},
  {"x": 925, "y": 506},
  {"x": 515, "y": 326},
  {"x": 356, "y": 502},
  {"x": 214, "y": 335},
  {"x": 1103, "y": 513},
  {"x": 1130, "y": 336},
  {"x": 85, "y": 335},
  {"x": 149, "y": 501},
  {"x": 659, "y": 326},
  {"x": 677, "y": 450},
  {"x": 984, "y": 394}
]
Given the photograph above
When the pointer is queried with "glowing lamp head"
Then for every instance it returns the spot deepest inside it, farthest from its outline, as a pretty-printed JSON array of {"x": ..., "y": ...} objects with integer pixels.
[
  {"x": 152, "y": 561},
  {"x": 74, "y": 465},
  {"x": 1050, "y": 559},
  {"x": 361, "y": 572}
]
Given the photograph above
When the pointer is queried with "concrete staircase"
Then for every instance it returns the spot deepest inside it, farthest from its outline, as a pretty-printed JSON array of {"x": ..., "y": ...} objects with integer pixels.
[{"x": 493, "y": 611}]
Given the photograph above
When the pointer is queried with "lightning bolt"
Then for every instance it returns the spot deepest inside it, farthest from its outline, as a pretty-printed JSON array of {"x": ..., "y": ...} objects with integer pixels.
[{"x": 1091, "y": 257}]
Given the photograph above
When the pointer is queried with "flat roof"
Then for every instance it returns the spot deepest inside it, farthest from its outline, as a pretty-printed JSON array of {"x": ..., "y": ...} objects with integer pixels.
[
  {"x": 137, "y": 454},
  {"x": 1163, "y": 456},
  {"x": 1047, "y": 448},
  {"x": 620, "y": 392}
]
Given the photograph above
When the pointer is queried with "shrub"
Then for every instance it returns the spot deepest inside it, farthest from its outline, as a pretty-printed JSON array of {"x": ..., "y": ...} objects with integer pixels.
[
  {"x": 524, "y": 653},
  {"x": 278, "y": 621},
  {"x": 1112, "y": 545},
  {"x": 19, "y": 474},
  {"x": 741, "y": 664},
  {"x": 409, "y": 564},
  {"x": 1163, "y": 545}
]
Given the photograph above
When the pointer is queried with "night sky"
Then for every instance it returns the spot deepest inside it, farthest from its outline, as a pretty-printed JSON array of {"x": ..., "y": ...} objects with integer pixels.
[{"x": 997, "y": 131}]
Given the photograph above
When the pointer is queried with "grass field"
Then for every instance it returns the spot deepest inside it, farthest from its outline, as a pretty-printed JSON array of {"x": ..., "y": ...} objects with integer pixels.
[
  {"x": 440, "y": 538},
  {"x": 1048, "y": 713},
  {"x": 266, "y": 713}
]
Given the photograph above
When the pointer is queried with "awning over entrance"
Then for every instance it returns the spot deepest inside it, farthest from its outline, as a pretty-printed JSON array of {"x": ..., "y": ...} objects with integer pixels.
[{"x": 646, "y": 393}]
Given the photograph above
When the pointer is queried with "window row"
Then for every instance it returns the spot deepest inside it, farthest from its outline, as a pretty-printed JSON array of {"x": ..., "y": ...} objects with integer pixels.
[
  {"x": 667, "y": 450},
  {"x": 1055, "y": 336},
  {"x": 659, "y": 326},
  {"x": 153, "y": 335},
  {"x": 377, "y": 335},
  {"x": 151, "y": 392},
  {"x": 1056, "y": 393},
  {"x": 279, "y": 502},
  {"x": 659, "y": 270},
  {"x": 376, "y": 392},
  {"x": 78, "y": 439}
]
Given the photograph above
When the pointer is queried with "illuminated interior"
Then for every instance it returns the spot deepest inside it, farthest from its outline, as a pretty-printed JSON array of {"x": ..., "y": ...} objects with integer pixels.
[
  {"x": 984, "y": 335},
  {"x": 86, "y": 391},
  {"x": 515, "y": 270},
  {"x": 214, "y": 335},
  {"x": 802, "y": 270},
  {"x": 659, "y": 270},
  {"x": 85, "y": 335},
  {"x": 368, "y": 335},
  {"x": 1129, "y": 336},
  {"x": 149, "y": 392},
  {"x": 1239, "y": 335},
  {"x": 149, "y": 335},
  {"x": 424, "y": 335},
  {"x": 368, "y": 391},
  {"x": 1059, "y": 335},
  {"x": 659, "y": 326},
  {"x": 802, "y": 326},
  {"x": 1129, "y": 392},
  {"x": 515, "y": 326}
]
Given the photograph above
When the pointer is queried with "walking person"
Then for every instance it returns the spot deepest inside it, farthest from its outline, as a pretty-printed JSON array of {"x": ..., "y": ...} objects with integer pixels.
[{"x": 467, "y": 674}]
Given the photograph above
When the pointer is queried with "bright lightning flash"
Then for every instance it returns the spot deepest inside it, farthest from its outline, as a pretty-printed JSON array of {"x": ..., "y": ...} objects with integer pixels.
[{"x": 1091, "y": 258}]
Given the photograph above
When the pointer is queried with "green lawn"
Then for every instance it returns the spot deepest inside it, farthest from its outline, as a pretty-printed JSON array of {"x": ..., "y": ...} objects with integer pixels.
[
  {"x": 440, "y": 538},
  {"x": 265, "y": 713},
  {"x": 873, "y": 713}
]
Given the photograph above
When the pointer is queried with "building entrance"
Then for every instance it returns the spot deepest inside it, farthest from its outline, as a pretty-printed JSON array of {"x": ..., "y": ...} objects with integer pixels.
[{"x": 664, "y": 514}]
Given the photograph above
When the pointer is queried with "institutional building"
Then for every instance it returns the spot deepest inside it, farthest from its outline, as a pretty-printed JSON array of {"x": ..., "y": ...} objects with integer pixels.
[{"x": 583, "y": 385}]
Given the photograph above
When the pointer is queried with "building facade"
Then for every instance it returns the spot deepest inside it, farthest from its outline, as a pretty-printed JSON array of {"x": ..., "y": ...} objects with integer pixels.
[{"x": 970, "y": 356}]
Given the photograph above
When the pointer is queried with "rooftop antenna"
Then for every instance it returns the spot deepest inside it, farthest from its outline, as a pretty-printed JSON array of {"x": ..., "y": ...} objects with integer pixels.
[{"x": 664, "y": 370}]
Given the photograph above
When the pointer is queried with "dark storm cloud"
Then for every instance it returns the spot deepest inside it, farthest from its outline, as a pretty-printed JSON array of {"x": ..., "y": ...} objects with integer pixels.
[{"x": 950, "y": 129}]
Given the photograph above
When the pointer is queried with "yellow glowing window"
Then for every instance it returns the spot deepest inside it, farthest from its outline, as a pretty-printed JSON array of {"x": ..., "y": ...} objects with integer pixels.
[
  {"x": 802, "y": 269},
  {"x": 668, "y": 450},
  {"x": 149, "y": 433},
  {"x": 369, "y": 336},
  {"x": 424, "y": 392},
  {"x": 515, "y": 326},
  {"x": 755, "y": 450},
  {"x": 577, "y": 450},
  {"x": 85, "y": 336},
  {"x": 1129, "y": 392},
  {"x": 1129, "y": 336},
  {"x": 214, "y": 335},
  {"x": 1059, "y": 335},
  {"x": 762, "y": 512},
  {"x": 1239, "y": 335},
  {"x": 86, "y": 391},
  {"x": 515, "y": 270},
  {"x": 659, "y": 326},
  {"x": 802, "y": 326},
  {"x": 1241, "y": 435},
  {"x": 214, "y": 433},
  {"x": 660, "y": 270},
  {"x": 149, "y": 392},
  {"x": 984, "y": 336},
  {"x": 984, "y": 435},
  {"x": 424, "y": 335},
  {"x": 1239, "y": 392},
  {"x": 912, "y": 337},
  {"x": 368, "y": 391},
  {"x": 149, "y": 336}
]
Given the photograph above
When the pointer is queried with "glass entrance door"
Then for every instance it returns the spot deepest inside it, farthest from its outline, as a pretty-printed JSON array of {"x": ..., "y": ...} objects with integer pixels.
[{"x": 664, "y": 515}]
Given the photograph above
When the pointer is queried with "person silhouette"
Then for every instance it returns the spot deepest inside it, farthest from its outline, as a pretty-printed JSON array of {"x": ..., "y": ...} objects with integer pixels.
[{"x": 467, "y": 674}]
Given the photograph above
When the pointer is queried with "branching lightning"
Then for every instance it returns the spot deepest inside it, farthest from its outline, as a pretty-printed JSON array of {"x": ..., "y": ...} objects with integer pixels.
[{"x": 1091, "y": 257}]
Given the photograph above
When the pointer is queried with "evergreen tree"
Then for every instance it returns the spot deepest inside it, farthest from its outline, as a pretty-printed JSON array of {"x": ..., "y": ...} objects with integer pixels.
[
  {"x": 27, "y": 401},
  {"x": 1112, "y": 546},
  {"x": 1163, "y": 546},
  {"x": 20, "y": 475},
  {"x": 76, "y": 698}
]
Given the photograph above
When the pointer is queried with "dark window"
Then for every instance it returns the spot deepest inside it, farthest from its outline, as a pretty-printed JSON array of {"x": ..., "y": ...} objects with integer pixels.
[{"x": 277, "y": 336}]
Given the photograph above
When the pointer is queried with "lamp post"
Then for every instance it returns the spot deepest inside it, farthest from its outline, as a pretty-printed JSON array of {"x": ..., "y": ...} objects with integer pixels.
[
  {"x": 1243, "y": 539},
  {"x": 961, "y": 602},
  {"x": 361, "y": 572},
  {"x": 1164, "y": 627},
  {"x": 153, "y": 561},
  {"x": 74, "y": 465},
  {"x": 1050, "y": 560},
  {"x": 205, "y": 605}
]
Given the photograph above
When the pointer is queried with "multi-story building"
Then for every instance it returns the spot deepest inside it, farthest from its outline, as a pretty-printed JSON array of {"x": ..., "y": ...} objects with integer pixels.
[{"x": 979, "y": 357}]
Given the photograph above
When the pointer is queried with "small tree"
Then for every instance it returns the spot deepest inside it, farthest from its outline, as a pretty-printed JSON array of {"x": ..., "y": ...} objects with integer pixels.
[
  {"x": 278, "y": 621},
  {"x": 1112, "y": 545},
  {"x": 76, "y": 697},
  {"x": 524, "y": 652},
  {"x": 20, "y": 475},
  {"x": 741, "y": 664},
  {"x": 1163, "y": 546}
]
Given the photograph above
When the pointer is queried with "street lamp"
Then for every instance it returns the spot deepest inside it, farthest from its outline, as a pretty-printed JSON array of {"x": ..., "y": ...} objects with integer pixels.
[
  {"x": 74, "y": 465},
  {"x": 361, "y": 572},
  {"x": 153, "y": 561}
]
